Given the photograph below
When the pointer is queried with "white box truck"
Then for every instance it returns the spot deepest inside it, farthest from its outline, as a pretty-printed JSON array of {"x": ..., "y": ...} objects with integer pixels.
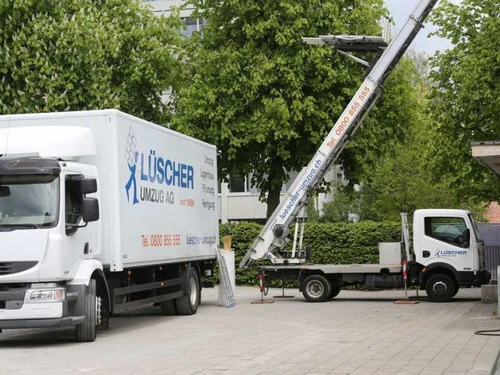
[{"x": 99, "y": 212}]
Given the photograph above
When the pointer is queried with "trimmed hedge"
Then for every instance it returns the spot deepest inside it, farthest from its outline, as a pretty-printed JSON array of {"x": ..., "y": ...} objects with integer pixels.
[{"x": 335, "y": 243}]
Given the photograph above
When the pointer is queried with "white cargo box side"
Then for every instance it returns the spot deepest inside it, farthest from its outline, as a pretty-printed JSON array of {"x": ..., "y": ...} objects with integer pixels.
[
  {"x": 173, "y": 220},
  {"x": 167, "y": 193}
]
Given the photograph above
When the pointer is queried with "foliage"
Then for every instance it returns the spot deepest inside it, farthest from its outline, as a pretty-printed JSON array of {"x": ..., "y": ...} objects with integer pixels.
[
  {"x": 387, "y": 125},
  {"x": 85, "y": 54},
  {"x": 465, "y": 102},
  {"x": 356, "y": 243},
  {"x": 402, "y": 179},
  {"x": 242, "y": 236},
  {"x": 338, "y": 243},
  {"x": 261, "y": 95},
  {"x": 312, "y": 213},
  {"x": 343, "y": 208}
]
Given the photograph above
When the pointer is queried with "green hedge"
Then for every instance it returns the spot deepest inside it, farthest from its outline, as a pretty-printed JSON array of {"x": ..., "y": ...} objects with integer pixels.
[{"x": 330, "y": 243}]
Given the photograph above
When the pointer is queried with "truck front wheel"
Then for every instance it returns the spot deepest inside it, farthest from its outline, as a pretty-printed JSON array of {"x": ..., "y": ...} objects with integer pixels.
[
  {"x": 440, "y": 288},
  {"x": 316, "y": 288},
  {"x": 87, "y": 331},
  {"x": 188, "y": 304}
]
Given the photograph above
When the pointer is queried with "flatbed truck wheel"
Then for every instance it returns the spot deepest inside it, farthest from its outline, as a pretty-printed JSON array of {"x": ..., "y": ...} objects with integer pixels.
[
  {"x": 334, "y": 292},
  {"x": 87, "y": 331},
  {"x": 440, "y": 288},
  {"x": 316, "y": 288},
  {"x": 188, "y": 304}
]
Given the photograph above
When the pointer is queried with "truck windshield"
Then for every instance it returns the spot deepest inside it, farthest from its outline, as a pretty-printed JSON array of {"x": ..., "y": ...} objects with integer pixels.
[{"x": 28, "y": 202}]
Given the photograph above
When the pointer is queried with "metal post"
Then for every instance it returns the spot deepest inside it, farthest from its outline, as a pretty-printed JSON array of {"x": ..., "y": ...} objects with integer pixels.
[
  {"x": 294, "y": 248},
  {"x": 262, "y": 293}
]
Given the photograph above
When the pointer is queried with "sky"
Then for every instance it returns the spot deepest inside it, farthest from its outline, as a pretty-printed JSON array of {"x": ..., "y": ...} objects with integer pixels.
[{"x": 400, "y": 10}]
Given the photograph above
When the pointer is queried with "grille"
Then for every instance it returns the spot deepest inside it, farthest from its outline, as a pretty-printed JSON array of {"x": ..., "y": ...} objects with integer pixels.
[{"x": 7, "y": 268}]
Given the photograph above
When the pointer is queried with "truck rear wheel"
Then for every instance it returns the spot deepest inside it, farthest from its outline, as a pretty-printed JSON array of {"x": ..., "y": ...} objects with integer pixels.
[
  {"x": 440, "y": 288},
  {"x": 87, "y": 331},
  {"x": 168, "y": 307},
  {"x": 334, "y": 292},
  {"x": 188, "y": 304},
  {"x": 316, "y": 288}
]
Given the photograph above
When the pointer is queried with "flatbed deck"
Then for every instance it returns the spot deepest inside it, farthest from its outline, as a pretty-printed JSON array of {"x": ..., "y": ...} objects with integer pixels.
[{"x": 336, "y": 268}]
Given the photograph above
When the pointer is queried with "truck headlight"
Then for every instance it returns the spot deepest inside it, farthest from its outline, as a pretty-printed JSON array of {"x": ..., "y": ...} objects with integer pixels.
[{"x": 45, "y": 295}]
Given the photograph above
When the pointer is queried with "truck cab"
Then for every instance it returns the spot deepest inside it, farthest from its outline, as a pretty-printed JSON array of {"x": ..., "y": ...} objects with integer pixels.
[
  {"x": 45, "y": 216},
  {"x": 448, "y": 250},
  {"x": 49, "y": 212}
]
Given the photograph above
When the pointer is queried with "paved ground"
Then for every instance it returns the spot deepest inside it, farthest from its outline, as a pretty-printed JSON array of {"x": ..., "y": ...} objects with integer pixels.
[{"x": 356, "y": 333}]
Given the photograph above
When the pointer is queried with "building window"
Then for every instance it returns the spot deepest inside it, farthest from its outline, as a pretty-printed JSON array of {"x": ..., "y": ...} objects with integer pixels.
[
  {"x": 192, "y": 25},
  {"x": 238, "y": 184}
]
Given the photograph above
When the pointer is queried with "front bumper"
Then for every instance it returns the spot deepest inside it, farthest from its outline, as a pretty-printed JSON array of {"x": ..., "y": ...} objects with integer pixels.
[
  {"x": 41, "y": 323},
  {"x": 51, "y": 310},
  {"x": 18, "y": 311}
]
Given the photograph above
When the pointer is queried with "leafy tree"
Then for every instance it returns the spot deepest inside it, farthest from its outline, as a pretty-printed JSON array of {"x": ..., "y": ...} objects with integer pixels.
[
  {"x": 465, "y": 102},
  {"x": 403, "y": 179},
  {"x": 343, "y": 208},
  {"x": 263, "y": 97},
  {"x": 85, "y": 54},
  {"x": 388, "y": 124},
  {"x": 312, "y": 212}
]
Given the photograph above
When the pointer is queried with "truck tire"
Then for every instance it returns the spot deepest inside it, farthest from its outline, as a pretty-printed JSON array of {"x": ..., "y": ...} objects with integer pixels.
[
  {"x": 316, "y": 288},
  {"x": 168, "y": 307},
  {"x": 87, "y": 331},
  {"x": 440, "y": 288},
  {"x": 334, "y": 292},
  {"x": 188, "y": 304}
]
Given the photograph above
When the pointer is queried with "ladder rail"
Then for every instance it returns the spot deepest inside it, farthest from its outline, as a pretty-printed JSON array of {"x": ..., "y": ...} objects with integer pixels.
[
  {"x": 274, "y": 235},
  {"x": 225, "y": 279}
]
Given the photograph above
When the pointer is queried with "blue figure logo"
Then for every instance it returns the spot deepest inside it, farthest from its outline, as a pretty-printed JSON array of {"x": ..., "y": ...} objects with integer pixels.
[
  {"x": 132, "y": 180},
  {"x": 132, "y": 156}
]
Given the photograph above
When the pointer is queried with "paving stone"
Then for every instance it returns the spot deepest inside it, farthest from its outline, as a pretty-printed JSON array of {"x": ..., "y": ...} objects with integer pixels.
[{"x": 357, "y": 333}]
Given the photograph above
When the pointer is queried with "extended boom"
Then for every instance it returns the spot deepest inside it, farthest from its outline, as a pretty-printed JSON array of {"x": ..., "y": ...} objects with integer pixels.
[{"x": 273, "y": 236}]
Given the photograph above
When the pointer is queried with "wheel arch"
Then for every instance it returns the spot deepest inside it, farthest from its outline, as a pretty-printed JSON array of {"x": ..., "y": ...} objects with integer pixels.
[
  {"x": 102, "y": 288},
  {"x": 90, "y": 269},
  {"x": 439, "y": 268}
]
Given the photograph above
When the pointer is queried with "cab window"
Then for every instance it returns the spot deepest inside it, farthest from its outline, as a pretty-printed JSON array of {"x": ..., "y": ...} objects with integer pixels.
[
  {"x": 73, "y": 200},
  {"x": 447, "y": 229}
]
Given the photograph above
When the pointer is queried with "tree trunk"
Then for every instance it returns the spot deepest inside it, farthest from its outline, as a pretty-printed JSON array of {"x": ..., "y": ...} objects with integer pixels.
[{"x": 273, "y": 199}]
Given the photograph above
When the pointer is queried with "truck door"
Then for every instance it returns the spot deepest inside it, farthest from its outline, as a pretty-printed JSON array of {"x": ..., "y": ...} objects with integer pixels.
[
  {"x": 447, "y": 239},
  {"x": 81, "y": 237}
]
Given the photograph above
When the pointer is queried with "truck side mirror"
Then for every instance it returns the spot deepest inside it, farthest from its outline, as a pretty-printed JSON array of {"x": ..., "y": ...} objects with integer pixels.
[
  {"x": 90, "y": 208},
  {"x": 88, "y": 185},
  {"x": 4, "y": 191}
]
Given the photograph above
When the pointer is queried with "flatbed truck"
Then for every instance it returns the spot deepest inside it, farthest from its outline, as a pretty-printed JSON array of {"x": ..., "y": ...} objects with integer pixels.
[{"x": 440, "y": 264}]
